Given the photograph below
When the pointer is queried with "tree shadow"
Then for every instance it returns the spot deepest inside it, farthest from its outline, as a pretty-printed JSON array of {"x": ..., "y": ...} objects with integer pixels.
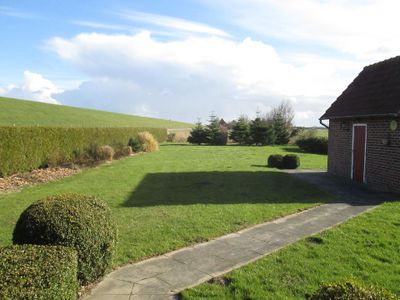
[
  {"x": 222, "y": 188},
  {"x": 293, "y": 150}
]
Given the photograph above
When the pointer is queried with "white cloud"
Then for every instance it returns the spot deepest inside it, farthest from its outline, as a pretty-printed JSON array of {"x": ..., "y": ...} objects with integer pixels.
[
  {"x": 368, "y": 30},
  {"x": 171, "y": 22},
  {"x": 12, "y": 12},
  {"x": 186, "y": 78},
  {"x": 34, "y": 87},
  {"x": 97, "y": 25}
]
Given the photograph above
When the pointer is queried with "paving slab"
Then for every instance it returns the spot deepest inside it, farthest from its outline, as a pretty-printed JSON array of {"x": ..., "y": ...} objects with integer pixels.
[{"x": 164, "y": 276}]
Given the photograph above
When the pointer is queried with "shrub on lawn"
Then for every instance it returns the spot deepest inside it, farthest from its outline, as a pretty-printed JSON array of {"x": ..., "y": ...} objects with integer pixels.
[
  {"x": 134, "y": 143},
  {"x": 290, "y": 161},
  {"x": 147, "y": 141},
  {"x": 313, "y": 144},
  {"x": 38, "y": 272},
  {"x": 81, "y": 222},
  {"x": 350, "y": 290},
  {"x": 105, "y": 153},
  {"x": 275, "y": 161},
  {"x": 122, "y": 151},
  {"x": 127, "y": 151}
]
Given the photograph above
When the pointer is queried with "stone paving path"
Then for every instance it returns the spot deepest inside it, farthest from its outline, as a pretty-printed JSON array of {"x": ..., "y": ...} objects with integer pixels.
[{"x": 164, "y": 276}]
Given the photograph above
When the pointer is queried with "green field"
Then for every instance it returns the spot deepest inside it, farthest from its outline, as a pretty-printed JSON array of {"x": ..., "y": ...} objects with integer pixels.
[
  {"x": 30, "y": 113},
  {"x": 319, "y": 132},
  {"x": 181, "y": 195},
  {"x": 365, "y": 249}
]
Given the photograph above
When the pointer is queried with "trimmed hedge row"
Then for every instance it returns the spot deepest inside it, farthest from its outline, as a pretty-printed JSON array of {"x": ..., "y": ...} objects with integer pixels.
[
  {"x": 27, "y": 148},
  {"x": 318, "y": 145},
  {"x": 38, "y": 272},
  {"x": 81, "y": 222}
]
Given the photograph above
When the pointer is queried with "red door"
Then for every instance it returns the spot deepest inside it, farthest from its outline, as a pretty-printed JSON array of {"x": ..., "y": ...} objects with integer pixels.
[{"x": 359, "y": 136}]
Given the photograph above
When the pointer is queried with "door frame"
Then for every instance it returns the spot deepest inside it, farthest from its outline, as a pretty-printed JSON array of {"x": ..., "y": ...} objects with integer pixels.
[{"x": 365, "y": 150}]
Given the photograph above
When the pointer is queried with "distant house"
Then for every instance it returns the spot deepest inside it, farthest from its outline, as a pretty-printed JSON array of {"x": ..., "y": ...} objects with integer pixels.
[
  {"x": 364, "y": 134},
  {"x": 223, "y": 124}
]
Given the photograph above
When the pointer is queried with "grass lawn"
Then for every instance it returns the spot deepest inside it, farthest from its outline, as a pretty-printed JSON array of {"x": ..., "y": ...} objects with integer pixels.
[
  {"x": 31, "y": 113},
  {"x": 365, "y": 248},
  {"x": 181, "y": 195}
]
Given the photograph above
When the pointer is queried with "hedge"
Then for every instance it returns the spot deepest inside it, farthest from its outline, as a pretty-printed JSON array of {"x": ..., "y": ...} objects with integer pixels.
[
  {"x": 318, "y": 145},
  {"x": 38, "y": 272},
  {"x": 81, "y": 222},
  {"x": 27, "y": 148}
]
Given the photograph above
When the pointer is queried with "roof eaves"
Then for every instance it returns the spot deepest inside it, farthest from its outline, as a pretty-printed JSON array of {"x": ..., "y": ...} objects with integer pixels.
[{"x": 360, "y": 116}]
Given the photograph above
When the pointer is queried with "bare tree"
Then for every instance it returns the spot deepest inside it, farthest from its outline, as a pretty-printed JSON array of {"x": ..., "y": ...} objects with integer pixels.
[
  {"x": 280, "y": 118},
  {"x": 283, "y": 111}
]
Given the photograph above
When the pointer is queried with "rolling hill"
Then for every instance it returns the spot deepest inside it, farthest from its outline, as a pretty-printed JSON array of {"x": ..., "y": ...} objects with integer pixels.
[{"x": 29, "y": 113}]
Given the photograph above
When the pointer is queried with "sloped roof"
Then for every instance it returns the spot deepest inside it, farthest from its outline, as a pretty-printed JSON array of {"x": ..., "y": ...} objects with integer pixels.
[{"x": 374, "y": 92}]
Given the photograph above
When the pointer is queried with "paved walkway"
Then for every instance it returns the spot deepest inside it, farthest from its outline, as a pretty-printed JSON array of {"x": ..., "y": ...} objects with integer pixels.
[{"x": 164, "y": 276}]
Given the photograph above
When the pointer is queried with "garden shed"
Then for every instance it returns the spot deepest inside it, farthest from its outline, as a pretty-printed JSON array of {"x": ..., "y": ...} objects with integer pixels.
[{"x": 364, "y": 134}]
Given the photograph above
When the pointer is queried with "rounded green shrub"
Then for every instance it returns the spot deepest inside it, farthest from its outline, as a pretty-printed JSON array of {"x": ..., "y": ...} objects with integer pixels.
[
  {"x": 38, "y": 272},
  {"x": 350, "y": 290},
  {"x": 275, "y": 161},
  {"x": 290, "y": 161},
  {"x": 77, "y": 221}
]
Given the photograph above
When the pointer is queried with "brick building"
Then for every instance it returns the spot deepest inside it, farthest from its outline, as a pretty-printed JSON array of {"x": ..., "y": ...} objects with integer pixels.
[{"x": 364, "y": 133}]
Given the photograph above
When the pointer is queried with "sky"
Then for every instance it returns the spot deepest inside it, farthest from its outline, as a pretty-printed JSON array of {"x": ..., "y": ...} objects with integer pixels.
[{"x": 183, "y": 60}]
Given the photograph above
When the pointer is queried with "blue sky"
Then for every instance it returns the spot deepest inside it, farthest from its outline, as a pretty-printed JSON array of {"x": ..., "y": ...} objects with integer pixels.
[{"x": 183, "y": 59}]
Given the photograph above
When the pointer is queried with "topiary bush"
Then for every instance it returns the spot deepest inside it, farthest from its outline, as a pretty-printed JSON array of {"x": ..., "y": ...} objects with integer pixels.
[
  {"x": 134, "y": 143},
  {"x": 290, "y": 161},
  {"x": 275, "y": 161},
  {"x": 147, "y": 141},
  {"x": 350, "y": 290},
  {"x": 317, "y": 145},
  {"x": 77, "y": 221},
  {"x": 38, "y": 272}
]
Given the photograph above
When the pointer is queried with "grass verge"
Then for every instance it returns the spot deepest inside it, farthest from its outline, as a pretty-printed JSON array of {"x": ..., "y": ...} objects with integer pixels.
[
  {"x": 365, "y": 248},
  {"x": 180, "y": 195}
]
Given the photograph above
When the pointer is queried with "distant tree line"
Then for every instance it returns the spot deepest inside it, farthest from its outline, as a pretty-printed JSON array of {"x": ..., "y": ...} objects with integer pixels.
[
  {"x": 212, "y": 133},
  {"x": 275, "y": 127}
]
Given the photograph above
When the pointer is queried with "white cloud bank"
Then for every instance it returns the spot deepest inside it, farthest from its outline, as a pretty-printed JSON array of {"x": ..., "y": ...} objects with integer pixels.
[
  {"x": 186, "y": 78},
  {"x": 171, "y": 23},
  {"x": 368, "y": 30},
  {"x": 34, "y": 87}
]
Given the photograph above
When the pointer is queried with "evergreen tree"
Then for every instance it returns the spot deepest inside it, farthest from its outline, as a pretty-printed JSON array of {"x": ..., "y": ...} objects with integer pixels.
[
  {"x": 261, "y": 133},
  {"x": 198, "y": 135},
  {"x": 281, "y": 118},
  {"x": 215, "y": 134},
  {"x": 241, "y": 131},
  {"x": 281, "y": 130}
]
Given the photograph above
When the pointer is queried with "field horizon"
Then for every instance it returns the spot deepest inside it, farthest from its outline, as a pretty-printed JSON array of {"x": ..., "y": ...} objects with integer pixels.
[{"x": 20, "y": 112}]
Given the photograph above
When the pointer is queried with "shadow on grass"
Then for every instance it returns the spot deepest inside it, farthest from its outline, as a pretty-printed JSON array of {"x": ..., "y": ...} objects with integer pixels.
[
  {"x": 293, "y": 150},
  {"x": 261, "y": 166},
  {"x": 222, "y": 188}
]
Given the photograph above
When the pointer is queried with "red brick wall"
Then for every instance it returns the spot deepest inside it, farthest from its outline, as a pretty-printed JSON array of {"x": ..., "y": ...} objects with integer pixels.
[{"x": 382, "y": 161}]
